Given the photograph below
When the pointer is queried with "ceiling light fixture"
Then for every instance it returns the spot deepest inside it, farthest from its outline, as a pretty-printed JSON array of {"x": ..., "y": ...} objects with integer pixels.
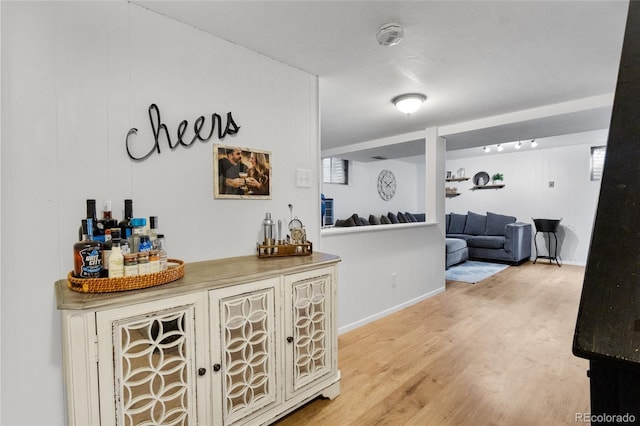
[
  {"x": 390, "y": 34},
  {"x": 409, "y": 103},
  {"x": 519, "y": 145},
  {"x": 500, "y": 147},
  {"x": 533, "y": 143},
  {"x": 486, "y": 149}
]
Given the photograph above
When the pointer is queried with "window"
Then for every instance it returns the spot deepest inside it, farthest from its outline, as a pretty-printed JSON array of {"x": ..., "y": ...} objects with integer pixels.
[
  {"x": 335, "y": 170},
  {"x": 597, "y": 161}
]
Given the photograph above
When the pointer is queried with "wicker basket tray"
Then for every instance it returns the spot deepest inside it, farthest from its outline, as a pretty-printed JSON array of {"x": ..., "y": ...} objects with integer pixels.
[{"x": 108, "y": 285}]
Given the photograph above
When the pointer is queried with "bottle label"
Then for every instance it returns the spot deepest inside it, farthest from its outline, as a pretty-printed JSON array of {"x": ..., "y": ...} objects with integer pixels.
[
  {"x": 116, "y": 269},
  {"x": 145, "y": 244},
  {"x": 91, "y": 262}
]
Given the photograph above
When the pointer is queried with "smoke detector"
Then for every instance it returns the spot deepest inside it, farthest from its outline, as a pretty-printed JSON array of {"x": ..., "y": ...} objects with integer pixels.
[{"x": 390, "y": 34}]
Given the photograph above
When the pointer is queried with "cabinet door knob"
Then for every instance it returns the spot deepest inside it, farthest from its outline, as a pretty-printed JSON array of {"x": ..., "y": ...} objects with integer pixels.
[
  {"x": 202, "y": 371},
  {"x": 290, "y": 339},
  {"x": 216, "y": 367}
]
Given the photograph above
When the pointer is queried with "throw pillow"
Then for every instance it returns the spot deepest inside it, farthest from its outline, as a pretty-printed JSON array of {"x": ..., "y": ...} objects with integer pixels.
[
  {"x": 393, "y": 218},
  {"x": 374, "y": 220},
  {"x": 410, "y": 217},
  {"x": 476, "y": 224},
  {"x": 456, "y": 223},
  {"x": 496, "y": 223},
  {"x": 420, "y": 217},
  {"x": 363, "y": 221},
  {"x": 356, "y": 219},
  {"x": 402, "y": 218},
  {"x": 385, "y": 220}
]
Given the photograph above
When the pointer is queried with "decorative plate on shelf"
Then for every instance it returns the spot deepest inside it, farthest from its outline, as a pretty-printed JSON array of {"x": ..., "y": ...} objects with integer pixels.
[{"x": 481, "y": 178}]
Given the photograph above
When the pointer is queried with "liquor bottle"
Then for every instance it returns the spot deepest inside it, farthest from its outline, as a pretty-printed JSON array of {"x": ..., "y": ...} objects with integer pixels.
[
  {"x": 91, "y": 214},
  {"x": 116, "y": 260},
  {"x": 87, "y": 253},
  {"x": 125, "y": 226},
  {"x": 139, "y": 241},
  {"x": 159, "y": 245},
  {"x": 107, "y": 222},
  {"x": 153, "y": 228}
]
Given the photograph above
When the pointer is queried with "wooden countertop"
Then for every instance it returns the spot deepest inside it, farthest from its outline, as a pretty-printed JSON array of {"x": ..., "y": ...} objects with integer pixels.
[{"x": 197, "y": 276}]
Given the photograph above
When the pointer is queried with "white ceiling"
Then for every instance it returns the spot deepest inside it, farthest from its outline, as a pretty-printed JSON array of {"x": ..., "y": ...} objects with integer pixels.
[{"x": 493, "y": 71}]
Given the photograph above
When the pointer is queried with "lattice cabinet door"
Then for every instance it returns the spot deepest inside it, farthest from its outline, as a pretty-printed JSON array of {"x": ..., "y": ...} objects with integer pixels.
[
  {"x": 244, "y": 331},
  {"x": 152, "y": 370},
  {"x": 310, "y": 329}
]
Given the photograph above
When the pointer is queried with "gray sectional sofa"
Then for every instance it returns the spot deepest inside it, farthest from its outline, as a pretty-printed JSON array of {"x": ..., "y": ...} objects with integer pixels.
[{"x": 492, "y": 237}]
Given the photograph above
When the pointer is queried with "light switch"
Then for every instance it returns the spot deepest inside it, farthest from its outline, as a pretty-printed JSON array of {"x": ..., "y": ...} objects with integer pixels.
[{"x": 303, "y": 178}]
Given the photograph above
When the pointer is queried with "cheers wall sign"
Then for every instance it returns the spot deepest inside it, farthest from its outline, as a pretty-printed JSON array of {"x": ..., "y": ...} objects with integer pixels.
[{"x": 203, "y": 130}]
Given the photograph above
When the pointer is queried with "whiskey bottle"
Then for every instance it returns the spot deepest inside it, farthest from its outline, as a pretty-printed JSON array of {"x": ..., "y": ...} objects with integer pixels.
[
  {"x": 107, "y": 222},
  {"x": 87, "y": 253},
  {"x": 125, "y": 225}
]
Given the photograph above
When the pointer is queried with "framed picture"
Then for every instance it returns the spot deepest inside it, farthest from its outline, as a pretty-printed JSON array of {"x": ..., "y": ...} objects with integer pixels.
[{"x": 241, "y": 173}]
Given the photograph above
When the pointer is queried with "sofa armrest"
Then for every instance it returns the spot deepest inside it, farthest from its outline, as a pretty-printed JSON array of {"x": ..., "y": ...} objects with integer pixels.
[{"x": 518, "y": 240}]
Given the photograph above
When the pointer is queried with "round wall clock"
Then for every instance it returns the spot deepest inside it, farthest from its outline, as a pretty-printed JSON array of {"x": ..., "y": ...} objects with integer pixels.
[{"x": 386, "y": 185}]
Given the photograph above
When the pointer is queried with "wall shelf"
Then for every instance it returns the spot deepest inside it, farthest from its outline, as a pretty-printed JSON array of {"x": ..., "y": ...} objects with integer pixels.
[
  {"x": 487, "y": 187},
  {"x": 452, "y": 194},
  {"x": 460, "y": 179}
]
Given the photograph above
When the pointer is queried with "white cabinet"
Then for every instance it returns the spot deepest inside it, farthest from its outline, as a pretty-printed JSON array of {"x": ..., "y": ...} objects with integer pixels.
[
  {"x": 217, "y": 347},
  {"x": 309, "y": 318},
  {"x": 244, "y": 339}
]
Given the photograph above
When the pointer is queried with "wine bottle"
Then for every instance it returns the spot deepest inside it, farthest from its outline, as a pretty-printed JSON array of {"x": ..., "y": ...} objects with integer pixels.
[
  {"x": 91, "y": 214},
  {"x": 87, "y": 253}
]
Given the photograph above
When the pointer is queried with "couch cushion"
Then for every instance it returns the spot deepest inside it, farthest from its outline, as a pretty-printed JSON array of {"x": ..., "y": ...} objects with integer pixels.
[
  {"x": 476, "y": 224},
  {"x": 384, "y": 220},
  {"x": 486, "y": 241},
  {"x": 496, "y": 223},
  {"x": 454, "y": 244},
  {"x": 393, "y": 218},
  {"x": 420, "y": 217},
  {"x": 459, "y": 236},
  {"x": 456, "y": 223},
  {"x": 374, "y": 220},
  {"x": 447, "y": 220}
]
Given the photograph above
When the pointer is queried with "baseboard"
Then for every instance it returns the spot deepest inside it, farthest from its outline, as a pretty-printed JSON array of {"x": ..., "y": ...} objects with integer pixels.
[{"x": 389, "y": 311}]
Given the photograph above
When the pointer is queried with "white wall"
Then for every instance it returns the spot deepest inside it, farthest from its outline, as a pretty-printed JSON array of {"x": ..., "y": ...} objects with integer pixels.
[
  {"x": 361, "y": 195},
  {"x": 527, "y": 193},
  {"x": 76, "y": 76},
  {"x": 387, "y": 267}
]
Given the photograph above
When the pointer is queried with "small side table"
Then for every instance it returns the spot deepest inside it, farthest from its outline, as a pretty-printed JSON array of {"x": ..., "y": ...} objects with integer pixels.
[{"x": 550, "y": 227}]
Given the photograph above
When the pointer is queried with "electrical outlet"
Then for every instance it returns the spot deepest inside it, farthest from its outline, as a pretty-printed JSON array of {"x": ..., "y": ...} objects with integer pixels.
[
  {"x": 394, "y": 280},
  {"x": 552, "y": 184}
]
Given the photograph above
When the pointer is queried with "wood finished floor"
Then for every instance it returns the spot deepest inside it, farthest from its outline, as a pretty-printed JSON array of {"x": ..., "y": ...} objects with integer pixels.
[{"x": 493, "y": 353}]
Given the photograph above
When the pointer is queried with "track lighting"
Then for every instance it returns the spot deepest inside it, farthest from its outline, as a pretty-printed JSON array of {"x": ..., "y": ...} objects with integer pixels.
[
  {"x": 533, "y": 143},
  {"x": 500, "y": 147},
  {"x": 518, "y": 145},
  {"x": 486, "y": 149}
]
